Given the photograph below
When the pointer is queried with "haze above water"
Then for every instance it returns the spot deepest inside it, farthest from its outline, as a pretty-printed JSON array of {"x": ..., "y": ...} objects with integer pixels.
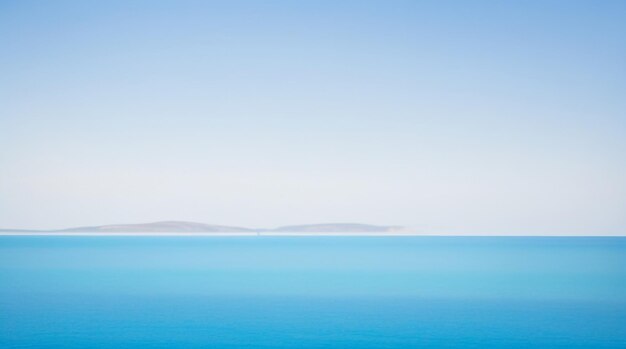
[{"x": 451, "y": 117}]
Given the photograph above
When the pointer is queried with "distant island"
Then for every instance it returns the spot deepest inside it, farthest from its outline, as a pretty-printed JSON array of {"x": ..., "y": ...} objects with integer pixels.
[{"x": 193, "y": 227}]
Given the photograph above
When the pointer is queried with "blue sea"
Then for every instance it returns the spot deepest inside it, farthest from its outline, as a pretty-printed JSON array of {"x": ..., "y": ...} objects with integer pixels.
[{"x": 312, "y": 292}]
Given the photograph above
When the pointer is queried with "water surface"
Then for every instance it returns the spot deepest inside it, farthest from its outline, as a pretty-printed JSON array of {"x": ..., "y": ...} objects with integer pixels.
[{"x": 312, "y": 292}]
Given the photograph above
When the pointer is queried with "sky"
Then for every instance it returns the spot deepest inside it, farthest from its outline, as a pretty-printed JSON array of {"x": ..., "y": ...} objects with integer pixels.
[{"x": 451, "y": 117}]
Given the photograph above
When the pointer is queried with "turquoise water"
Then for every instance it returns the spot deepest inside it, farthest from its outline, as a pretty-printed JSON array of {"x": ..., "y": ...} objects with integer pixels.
[{"x": 312, "y": 292}]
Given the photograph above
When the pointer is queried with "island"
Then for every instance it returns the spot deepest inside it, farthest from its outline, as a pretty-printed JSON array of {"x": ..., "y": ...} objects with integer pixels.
[{"x": 183, "y": 227}]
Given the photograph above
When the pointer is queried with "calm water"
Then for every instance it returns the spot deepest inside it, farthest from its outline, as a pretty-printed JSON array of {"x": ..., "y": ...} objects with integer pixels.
[{"x": 312, "y": 292}]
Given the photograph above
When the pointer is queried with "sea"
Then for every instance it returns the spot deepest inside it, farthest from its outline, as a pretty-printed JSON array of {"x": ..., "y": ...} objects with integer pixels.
[{"x": 312, "y": 292}]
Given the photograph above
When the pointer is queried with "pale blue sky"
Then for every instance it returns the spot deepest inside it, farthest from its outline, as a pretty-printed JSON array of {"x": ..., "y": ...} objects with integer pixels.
[{"x": 468, "y": 117}]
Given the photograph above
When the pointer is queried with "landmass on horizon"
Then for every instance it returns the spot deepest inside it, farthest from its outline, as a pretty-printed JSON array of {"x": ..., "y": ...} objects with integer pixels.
[{"x": 193, "y": 227}]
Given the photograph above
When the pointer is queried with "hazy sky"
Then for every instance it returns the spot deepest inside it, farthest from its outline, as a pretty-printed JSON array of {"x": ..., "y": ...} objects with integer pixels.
[{"x": 468, "y": 117}]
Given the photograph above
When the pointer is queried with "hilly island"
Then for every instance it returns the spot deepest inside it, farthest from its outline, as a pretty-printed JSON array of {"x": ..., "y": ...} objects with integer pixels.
[{"x": 193, "y": 227}]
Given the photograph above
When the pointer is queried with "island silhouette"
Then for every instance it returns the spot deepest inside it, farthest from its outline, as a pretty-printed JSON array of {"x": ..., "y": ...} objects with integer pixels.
[{"x": 194, "y": 227}]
